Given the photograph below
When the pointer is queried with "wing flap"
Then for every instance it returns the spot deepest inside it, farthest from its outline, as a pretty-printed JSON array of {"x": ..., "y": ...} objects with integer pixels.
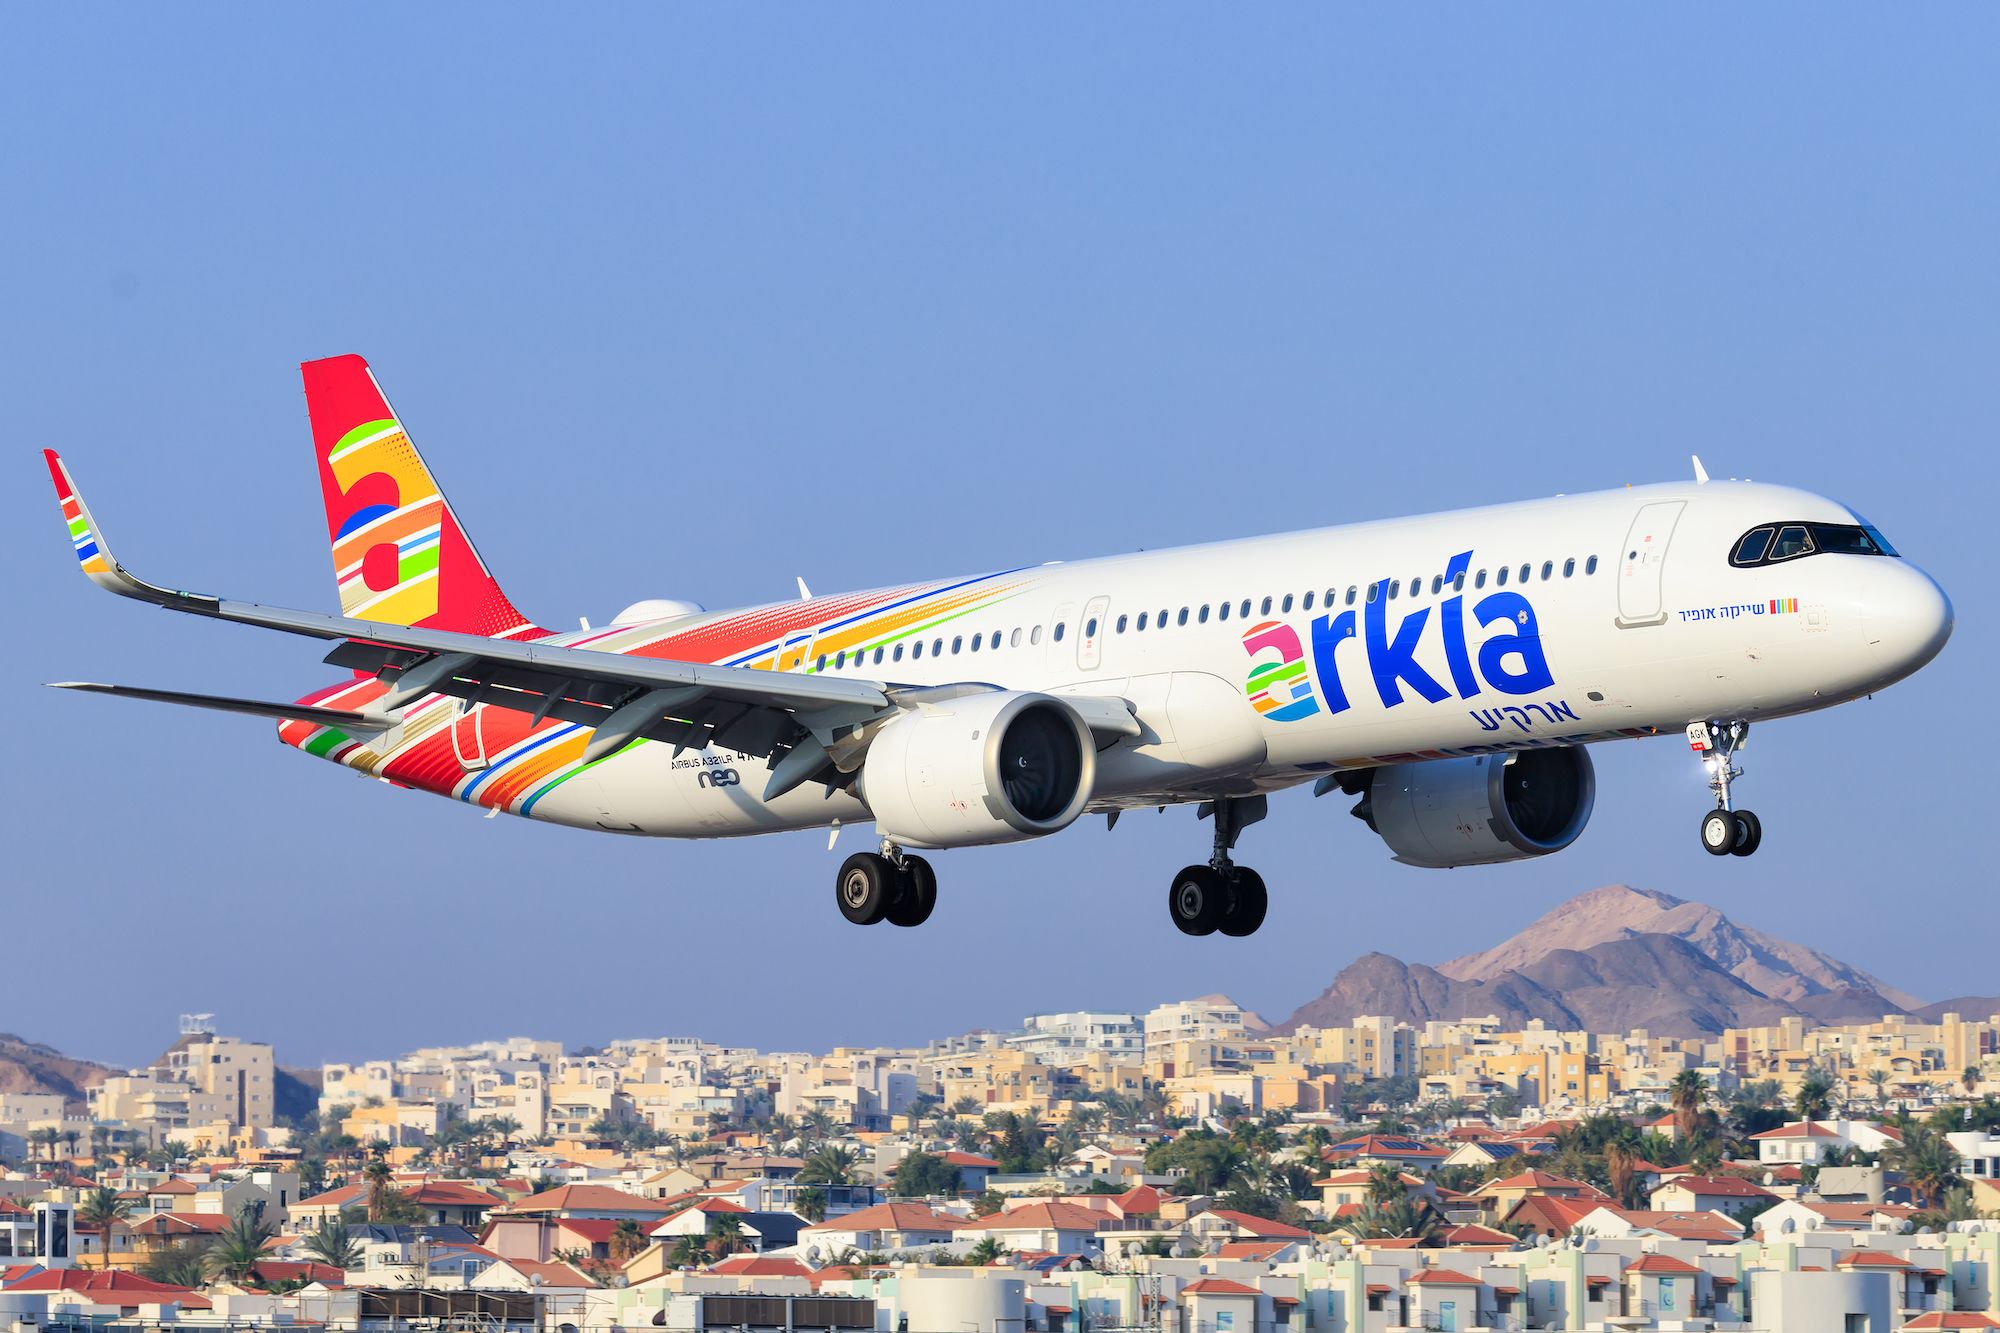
[{"x": 344, "y": 718}]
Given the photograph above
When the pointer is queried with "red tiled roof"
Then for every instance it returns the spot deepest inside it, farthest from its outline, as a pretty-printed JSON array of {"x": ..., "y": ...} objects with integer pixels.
[
  {"x": 1218, "y": 1286},
  {"x": 586, "y": 1199},
  {"x": 1798, "y": 1129},
  {"x": 1872, "y": 1259},
  {"x": 970, "y": 1159},
  {"x": 1661, "y": 1263},
  {"x": 1040, "y": 1217},
  {"x": 756, "y": 1265},
  {"x": 1948, "y": 1319},
  {"x": 1722, "y": 1187},
  {"x": 1252, "y": 1249},
  {"x": 1262, "y": 1227},
  {"x": 1472, "y": 1234},
  {"x": 1443, "y": 1277},
  {"x": 116, "y": 1282},
  {"x": 896, "y": 1217},
  {"x": 1139, "y": 1201},
  {"x": 1541, "y": 1180},
  {"x": 552, "y": 1275}
]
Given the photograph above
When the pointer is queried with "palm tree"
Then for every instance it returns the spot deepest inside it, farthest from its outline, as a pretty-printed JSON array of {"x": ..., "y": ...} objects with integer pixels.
[
  {"x": 626, "y": 1241},
  {"x": 722, "y": 1234},
  {"x": 1929, "y": 1164},
  {"x": 72, "y": 1137},
  {"x": 817, "y": 1125},
  {"x": 179, "y": 1265},
  {"x": 1385, "y": 1183},
  {"x": 1878, "y": 1079},
  {"x": 1686, "y": 1094},
  {"x": 378, "y": 1176},
  {"x": 175, "y": 1152},
  {"x": 965, "y": 1106},
  {"x": 1969, "y": 1077},
  {"x": 828, "y": 1165},
  {"x": 47, "y": 1137},
  {"x": 1401, "y": 1218},
  {"x": 102, "y": 1211},
  {"x": 811, "y": 1204},
  {"x": 332, "y": 1243},
  {"x": 1620, "y": 1169},
  {"x": 986, "y": 1251},
  {"x": 687, "y": 1253},
  {"x": 1814, "y": 1099},
  {"x": 239, "y": 1247},
  {"x": 780, "y": 1130}
]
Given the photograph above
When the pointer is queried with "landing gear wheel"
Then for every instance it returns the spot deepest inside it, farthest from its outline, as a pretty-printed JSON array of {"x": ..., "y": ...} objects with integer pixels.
[
  {"x": 1247, "y": 901},
  {"x": 1718, "y": 832},
  {"x": 865, "y": 887},
  {"x": 1197, "y": 900},
  {"x": 1749, "y": 833},
  {"x": 919, "y": 895}
]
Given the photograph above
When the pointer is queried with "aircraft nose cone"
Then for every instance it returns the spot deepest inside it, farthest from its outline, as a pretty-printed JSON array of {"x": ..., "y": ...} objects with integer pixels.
[{"x": 1909, "y": 624}]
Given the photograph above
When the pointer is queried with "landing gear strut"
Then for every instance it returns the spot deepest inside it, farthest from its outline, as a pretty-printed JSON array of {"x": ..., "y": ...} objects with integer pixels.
[
  {"x": 1221, "y": 895},
  {"x": 1725, "y": 830},
  {"x": 889, "y": 885}
]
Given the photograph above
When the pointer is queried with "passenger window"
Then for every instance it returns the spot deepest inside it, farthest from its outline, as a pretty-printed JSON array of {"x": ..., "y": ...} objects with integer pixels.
[
  {"x": 1286, "y": 605},
  {"x": 1244, "y": 609},
  {"x": 897, "y": 656},
  {"x": 1501, "y": 578},
  {"x": 1479, "y": 579},
  {"x": 994, "y": 642},
  {"x": 975, "y": 642},
  {"x": 1350, "y": 595},
  {"x": 937, "y": 647},
  {"x": 1222, "y": 612},
  {"x": 1395, "y": 588},
  {"x": 1458, "y": 583},
  {"x": 1264, "y": 607},
  {"x": 1793, "y": 540},
  {"x": 1525, "y": 571},
  {"x": 822, "y": 661},
  {"x": 1183, "y": 616},
  {"x": 1162, "y": 620},
  {"x": 878, "y": 657},
  {"x": 1121, "y": 624},
  {"x": 840, "y": 659},
  {"x": 1569, "y": 567},
  {"x": 1548, "y": 570},
  {"x": 1202, "y": 615},
  {"x": 1590, "y": 566},
  {"x": 1374, "y": 591},
  {"x": 1090, "y": 628},
  {"x": 1751, "y": 549},
  {"x": 1035, "y": 634},
  {"x": 916, "y": 650},
  {"x": 1057, "y": 636},
  {"x": 1014, "y": 639},
  {"x": 957, "y": 642},
  {"x": 1142, "y": 622}
]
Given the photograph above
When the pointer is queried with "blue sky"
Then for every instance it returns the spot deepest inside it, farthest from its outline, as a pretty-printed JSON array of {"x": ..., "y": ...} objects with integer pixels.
[{"x": 688, "y": 302}]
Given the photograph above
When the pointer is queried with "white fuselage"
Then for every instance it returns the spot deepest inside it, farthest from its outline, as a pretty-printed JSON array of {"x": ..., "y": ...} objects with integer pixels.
[{"x": 1620, "y": 615}]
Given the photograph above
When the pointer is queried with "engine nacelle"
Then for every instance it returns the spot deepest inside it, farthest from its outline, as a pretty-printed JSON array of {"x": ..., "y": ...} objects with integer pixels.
[
  {"x": 996, "y": 766},
  {"x": 1487, "y": 808}
]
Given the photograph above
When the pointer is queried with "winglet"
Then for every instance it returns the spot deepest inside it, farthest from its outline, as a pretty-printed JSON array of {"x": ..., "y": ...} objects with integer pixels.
[
  {"x": 1700, "y": 472},
  {"x": 92, "y": 551}
]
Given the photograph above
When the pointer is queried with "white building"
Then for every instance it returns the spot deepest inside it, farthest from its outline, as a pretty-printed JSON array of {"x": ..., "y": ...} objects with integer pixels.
[{"x": 1051, "y": 1037}]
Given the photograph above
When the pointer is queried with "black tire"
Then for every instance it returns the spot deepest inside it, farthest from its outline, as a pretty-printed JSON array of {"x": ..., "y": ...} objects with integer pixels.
[
  {"x": 1749, "y": 833},
  {"x": 913, "y": 906},
  {"x": 1197, "y": 900},
  {"x": 865, "y": 887},
  {"x": 1247, "y": 903},
  {"x": 1718, "y": 832}
]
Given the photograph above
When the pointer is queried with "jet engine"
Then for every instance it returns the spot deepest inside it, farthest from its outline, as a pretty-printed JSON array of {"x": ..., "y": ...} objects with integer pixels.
[
  {"x": 996, "y": 766},
  {"x": 1475, "y": 811}
]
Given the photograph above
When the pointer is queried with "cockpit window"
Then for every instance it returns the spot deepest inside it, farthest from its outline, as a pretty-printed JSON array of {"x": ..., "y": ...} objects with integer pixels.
[
  {"x": 1772, "y": 542},
  {"x": 1751, "y": 549}
]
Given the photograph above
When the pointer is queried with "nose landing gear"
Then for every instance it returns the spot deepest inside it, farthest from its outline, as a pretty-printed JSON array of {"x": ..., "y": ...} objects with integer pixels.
[
  {"x": 1725, "y": 830},
  {"x": 890, "y": 886},
  {"x": 1221, "y": 896}
]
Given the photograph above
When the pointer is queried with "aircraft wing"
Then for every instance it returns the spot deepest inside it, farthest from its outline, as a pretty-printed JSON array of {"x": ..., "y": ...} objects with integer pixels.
[{"x": 794, "y": 720}]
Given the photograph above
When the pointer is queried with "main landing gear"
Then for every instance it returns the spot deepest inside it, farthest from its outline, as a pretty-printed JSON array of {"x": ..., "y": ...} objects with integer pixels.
[
  {"x": 1221, "y": 895},
  {"x": 889, "y": 885},
  {"x": 1725, "y": 830}
]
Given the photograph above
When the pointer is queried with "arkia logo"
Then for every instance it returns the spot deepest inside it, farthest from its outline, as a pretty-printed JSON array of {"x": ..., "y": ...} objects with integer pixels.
[{"x": 1509, "y": 659}]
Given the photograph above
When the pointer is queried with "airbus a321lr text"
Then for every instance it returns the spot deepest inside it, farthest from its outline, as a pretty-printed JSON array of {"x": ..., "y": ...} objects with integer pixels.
[{"x": 1447, "y": 670}]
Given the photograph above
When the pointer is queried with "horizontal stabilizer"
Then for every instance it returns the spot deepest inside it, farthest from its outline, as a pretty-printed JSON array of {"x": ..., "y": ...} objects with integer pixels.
[{"x": 343, "y": 718}]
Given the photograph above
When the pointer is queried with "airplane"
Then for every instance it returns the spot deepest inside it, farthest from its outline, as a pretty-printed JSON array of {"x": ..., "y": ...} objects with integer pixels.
[{"x": 1447, "y": 670}]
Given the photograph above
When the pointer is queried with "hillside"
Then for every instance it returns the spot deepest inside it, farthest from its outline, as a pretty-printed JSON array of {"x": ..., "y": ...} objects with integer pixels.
[
  {"x": 1657, "y": 982},
  {"x": 27, "y": 1066},
  {"x": 1776, "y": 967}
]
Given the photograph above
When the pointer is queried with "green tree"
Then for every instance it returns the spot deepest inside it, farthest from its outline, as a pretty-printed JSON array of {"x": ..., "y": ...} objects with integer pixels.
[
  {"x": 333, "y": 1243},
  {"x": 723, "y": 1235},
  {"x": 1401, "y": 1218},
  {"x": 828, "y": 1164},
  {"x": 379, "y": 1178},
  {"x": 922, "y": 1175},
  {"x": 183, "y": 1264},
  {"x": 1687, "y": 1094},
  {"x": 1206, "y": 1162},
  {"x": 1927, "y": 1163},
  {"x": 103, "y": 1211},
  {"x": 1814, "y": 1098},
  {"x": 986, "y": 1251},
  {"x": 811, "y": 1204},
  {"x": 239, "y": 1246},
  {"x": 1969, "y": 1078},
  {"x": 687, "y": 1253},
  {"x": 626, "y": 1240}
]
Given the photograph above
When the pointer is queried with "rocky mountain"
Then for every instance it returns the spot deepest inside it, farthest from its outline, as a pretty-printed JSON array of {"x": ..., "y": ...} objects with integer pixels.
[
  {"x": 1657, "y": 982},
  {"x": 1817, "y": 983},
  {"x": 1965, "y": 1006},
  {"x": 27, "y": 1066}
]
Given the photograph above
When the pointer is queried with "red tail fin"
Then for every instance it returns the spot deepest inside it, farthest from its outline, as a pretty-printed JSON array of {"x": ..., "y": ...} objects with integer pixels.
[{"x": 399, "y": 554}]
